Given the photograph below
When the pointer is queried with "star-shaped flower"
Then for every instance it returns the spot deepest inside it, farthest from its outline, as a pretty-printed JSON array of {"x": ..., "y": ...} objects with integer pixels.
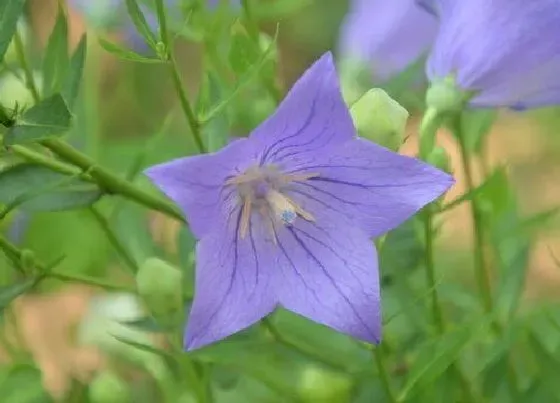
[{"x": 286, "y": 216}]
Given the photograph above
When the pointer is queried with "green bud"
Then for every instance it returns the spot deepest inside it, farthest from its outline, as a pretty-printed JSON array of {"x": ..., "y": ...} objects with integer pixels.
[
  {"x": 380, "y": 118},
  {"x": 355, "y": 79},
  {"x": 318, "y": 385},
  {"x": 161, "y": 51},
  {"x": 439, "y": 158},
  {"x": 108, "y": 387},
  {"x": 160, "y": 286},
  {"x": 445, "y": 96},
  {"x": 13, "y": 91}
]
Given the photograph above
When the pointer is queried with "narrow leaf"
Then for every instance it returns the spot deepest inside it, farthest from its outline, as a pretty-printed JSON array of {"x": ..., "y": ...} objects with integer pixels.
[
  {"x": 11, "y": 292},
  {"x": 10, "y": 11},
  {"x": 140, "y": 22},
  {"x": 74, "y": 78},
  {"x": 36, "y": 188},
  {"x": 55, "y": 61},
  {"x": 50, "y": 117},
  {"x": 126, "y": 54}
]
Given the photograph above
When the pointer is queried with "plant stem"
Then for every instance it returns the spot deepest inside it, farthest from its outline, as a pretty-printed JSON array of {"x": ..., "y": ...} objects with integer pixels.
[
  {"x": 108, "y": 181},
  {"x": 119, "y": 247},
  {"x": 169, "y": 56},
  {"x": 22, "y": 59},
  {"x": 430, "y": 269},
  {"x": 379, "y": 356}
]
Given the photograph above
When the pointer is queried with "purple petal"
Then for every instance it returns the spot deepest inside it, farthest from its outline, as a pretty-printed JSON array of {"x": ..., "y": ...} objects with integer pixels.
[
  {"x": 368, "y": 185},
  {"x": 233, "y": 283},
  {"x": 327, "y": 271},
  {"x": 506, "y": 50},
  {"x": 388, "y": 34},
  {"x": 312, "y": 117},
  {"x": 196, "y": 184}
]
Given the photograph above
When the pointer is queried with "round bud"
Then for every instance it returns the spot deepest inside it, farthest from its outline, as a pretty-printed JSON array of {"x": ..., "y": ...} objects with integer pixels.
[
  {"x": 160, "y": 286},
  {"x": 318, "y": 385},
  {"x": 108, "y": 387},
  {"x": 444, "y": 95}
]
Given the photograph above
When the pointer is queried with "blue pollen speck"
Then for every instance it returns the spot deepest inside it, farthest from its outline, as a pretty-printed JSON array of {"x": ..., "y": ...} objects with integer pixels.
[{"x": 288, "y": 217}]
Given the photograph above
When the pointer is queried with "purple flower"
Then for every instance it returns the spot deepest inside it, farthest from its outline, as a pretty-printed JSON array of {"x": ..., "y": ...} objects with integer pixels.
[
  {"x": 390, "y": 35},
  {"x": 285, "y": 217},
  {"x": 506, "y": 52}
]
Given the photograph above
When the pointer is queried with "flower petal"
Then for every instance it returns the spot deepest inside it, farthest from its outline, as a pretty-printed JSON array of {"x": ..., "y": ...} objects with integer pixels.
[
  {"x": 368, "y": 185},
  {"x": 328, "y": 273},
  {"x": 312, "y": 116},
  {"x": 196, "y": 183},
  {"x": 233, "y": 284},
  {"x": 389, "y": 34},
  {"x": 507, "y": 50}
]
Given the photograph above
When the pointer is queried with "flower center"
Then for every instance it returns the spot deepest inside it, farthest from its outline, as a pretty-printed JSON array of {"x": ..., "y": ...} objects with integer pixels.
[{"x": 262, "y": 189}]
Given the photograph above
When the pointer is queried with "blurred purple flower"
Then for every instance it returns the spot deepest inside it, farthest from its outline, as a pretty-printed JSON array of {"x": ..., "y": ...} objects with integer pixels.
[
  {"x": 285, "y": 217},
  {"x": 388, "y": 34},
  {"x": 506, "y": 51}
]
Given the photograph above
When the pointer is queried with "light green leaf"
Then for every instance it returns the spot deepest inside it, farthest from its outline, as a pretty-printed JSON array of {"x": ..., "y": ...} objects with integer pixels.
[
  {"x": 244, "y": 52},
  {"x": 35, "y": 188},
  {"x": 50, "y": 117},
  {"x": 74, "y": 78},
  {"x": 55, "y": 60},
  {"x": 437, "y": 355},
  {"x": 140, "y": 22},
  {"x": 10, "y": 11},
  {"x": 126, "y": 54},
  {"x": 23, "y": 383}
]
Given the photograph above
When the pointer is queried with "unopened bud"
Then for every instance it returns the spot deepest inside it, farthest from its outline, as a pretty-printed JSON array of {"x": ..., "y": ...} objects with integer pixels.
[
  {"x": 108, "y": 387},
  {"x": 444, "y": 95},
  {"x": 439, "y": 158},
  {"x": 318, "y": 385},
  {"x": 355, "y": 79},
  {"x": 380, "y": 118},
  {"x": 160, "y": 286}
]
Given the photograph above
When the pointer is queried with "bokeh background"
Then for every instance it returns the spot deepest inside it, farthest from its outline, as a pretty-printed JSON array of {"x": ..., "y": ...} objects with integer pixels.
[{"x": 124, "y": 104}]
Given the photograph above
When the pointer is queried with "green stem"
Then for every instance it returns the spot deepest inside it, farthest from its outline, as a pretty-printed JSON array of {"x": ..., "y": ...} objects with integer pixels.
[
  {"x": 379, "y": 357},
  {"x": 22, "y": 59},
  {"x": 119, "y": 247},
  {"x": 430, "y": 269},
  {"x": 110, "y": 182},
  {"x": 169, "y": 56},
  {"x": 480, "y": 265},
  {"x": 95, "y": 282}
]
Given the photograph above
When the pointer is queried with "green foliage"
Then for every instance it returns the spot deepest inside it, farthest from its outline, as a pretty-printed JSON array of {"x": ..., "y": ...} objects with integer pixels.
[{"x": 89, "y": 213}]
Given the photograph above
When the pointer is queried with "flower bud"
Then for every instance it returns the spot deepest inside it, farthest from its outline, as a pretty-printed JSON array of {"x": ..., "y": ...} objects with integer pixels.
[
  {"x": 107, "y": 387},
  {"x": 380, "y": 118},
  {"x": 160, "y": 286},
  {"x": 13, "y": 91},
  {"x": 439, "y": 158},
  {"x": 318, "y": 385},
  {"x": 355, "y": 79},
  {"x": 444, "y": 95},
  {"x": 105, "y": 323}
]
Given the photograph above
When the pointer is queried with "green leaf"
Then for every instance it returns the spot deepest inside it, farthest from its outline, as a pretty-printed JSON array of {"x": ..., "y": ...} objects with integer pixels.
[
  {"x": 126, "y": 54},
  {"x": 11, "y": 292},
  {"x": 10, "y": 11},
  {"x": 55, "y": 60},
  {"x": 50, "y": 117},
  {"x": 437, "y": 355},
  {"x": 147, "y": 324},
  {"x": 549, "y": 363},
  {"x": 243, "y": 53},
  {"x": 36, "y": 188},
  {"x": 140, "y": 22},
  {"x": 23, "y": 383},
  {"x": 74, "y": 78}
]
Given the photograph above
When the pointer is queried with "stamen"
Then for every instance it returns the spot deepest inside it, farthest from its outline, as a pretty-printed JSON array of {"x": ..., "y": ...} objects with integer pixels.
[
  {"x": 298, "y": 177},
  {"x": 285, "y": 208},
  {"x": 245, "y": 217}
]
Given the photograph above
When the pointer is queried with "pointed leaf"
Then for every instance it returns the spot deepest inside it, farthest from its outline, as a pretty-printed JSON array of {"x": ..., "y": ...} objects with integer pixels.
[
  {"x": 10, "y": 11},
  {"x": 140, "y": 22},
  {"x": 126, "y": 54},
  {"x": 50, "y": 117},
  {"x": 74, "y": 78},
  {"x": 11, "y": 292},
  {"x": 36, "y": 188},
  {"x": 55, "y": 60}
]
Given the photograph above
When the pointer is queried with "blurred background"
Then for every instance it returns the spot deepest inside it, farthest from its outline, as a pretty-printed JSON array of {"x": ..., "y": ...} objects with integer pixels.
[{"x": 123, "y": 104}]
